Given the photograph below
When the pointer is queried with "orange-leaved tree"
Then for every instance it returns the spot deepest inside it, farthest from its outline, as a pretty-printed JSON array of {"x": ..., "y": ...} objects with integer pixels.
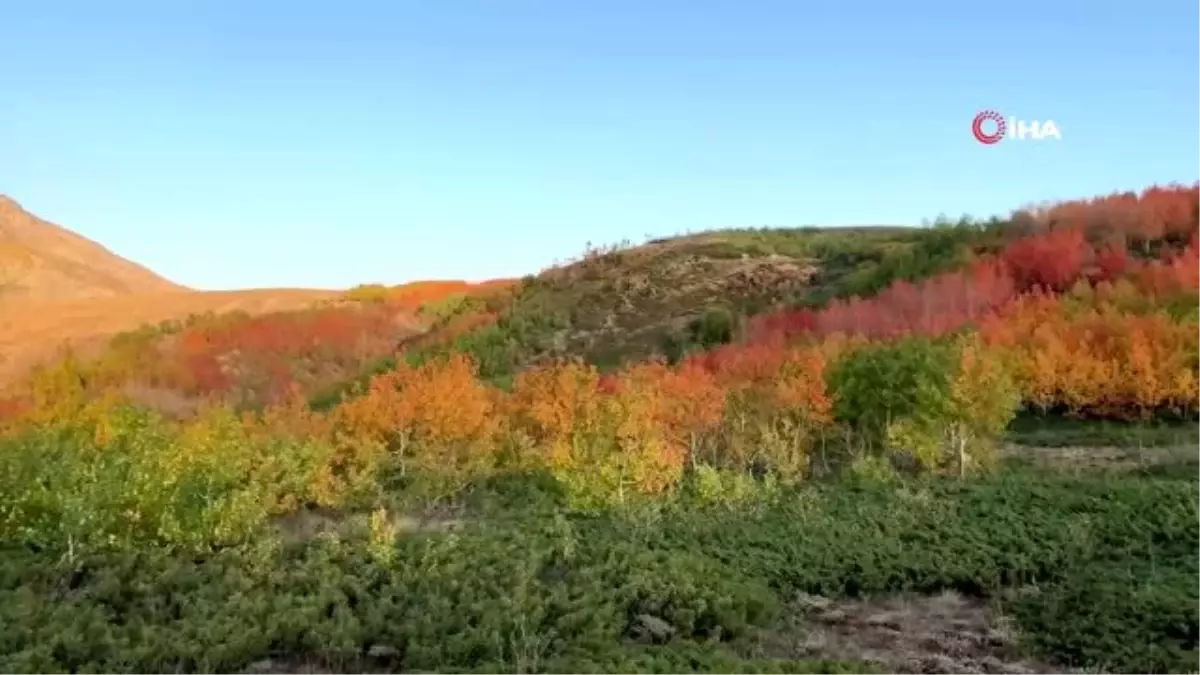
[
  {"x": 606, "y": 443},
  {"x": 437, "y": 418},
  {"x": 556, "y": 408},
  {"x": 1097, "y": 360}
]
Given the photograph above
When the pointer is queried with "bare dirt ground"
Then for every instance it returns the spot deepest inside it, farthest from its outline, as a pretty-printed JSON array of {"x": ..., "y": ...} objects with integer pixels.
[
  {"x": 310, "y": 524},
  {"x": 1101, "y": 458},
  {"x": 907, "y": 633},
  {"x": 33, "y": 331}
]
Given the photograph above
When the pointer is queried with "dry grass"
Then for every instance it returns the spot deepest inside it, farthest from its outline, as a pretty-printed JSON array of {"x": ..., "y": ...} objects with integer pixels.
[{"x": 1111, "y": 459}]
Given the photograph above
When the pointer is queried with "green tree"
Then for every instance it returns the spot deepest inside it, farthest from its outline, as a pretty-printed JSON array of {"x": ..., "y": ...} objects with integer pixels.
[
  {"x": 878, "y": 385},
  {"x": 939, "y": 403}
]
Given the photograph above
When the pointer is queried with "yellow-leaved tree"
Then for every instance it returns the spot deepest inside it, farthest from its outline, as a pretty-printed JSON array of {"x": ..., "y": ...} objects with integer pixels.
[{"x": 983, "y": 398}]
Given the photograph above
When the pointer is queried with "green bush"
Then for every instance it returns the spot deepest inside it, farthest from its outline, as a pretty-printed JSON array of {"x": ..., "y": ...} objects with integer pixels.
[
  {"x": 879, "y": 384},
  {"x": 1108, "y": 564},
  {"x": 66, "y": 491}
]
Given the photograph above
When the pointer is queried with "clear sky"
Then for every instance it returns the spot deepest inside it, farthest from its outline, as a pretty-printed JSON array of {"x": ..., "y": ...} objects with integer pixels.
[{"x": 240, "y": 143}]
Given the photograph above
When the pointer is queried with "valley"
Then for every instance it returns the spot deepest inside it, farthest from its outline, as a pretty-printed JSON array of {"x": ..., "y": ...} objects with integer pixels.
[{"x": 969, "y": 447}]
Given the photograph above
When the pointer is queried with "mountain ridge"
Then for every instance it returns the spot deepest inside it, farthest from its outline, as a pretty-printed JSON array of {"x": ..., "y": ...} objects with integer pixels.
[
  {"x": 41, "y": 260},
  {"x": 58, "y": 286}
]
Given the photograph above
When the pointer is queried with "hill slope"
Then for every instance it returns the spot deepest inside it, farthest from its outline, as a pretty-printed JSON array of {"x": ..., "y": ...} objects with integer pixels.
[
  {"x": 672, "y": 295},
  {"x": 631, "y": 303},
  {"x": 43, "y": 261},
  {"x": 59, "y": 287}
]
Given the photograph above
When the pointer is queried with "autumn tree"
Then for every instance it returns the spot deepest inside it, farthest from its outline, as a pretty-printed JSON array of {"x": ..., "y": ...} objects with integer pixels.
[
  {"x": 1052, "y": 261},
  {"x": 438, "y": 418},
  {"x": 632, "y": 435},
  {"x": 693, "y": 405},
  {"x": 557, "y": 407},
  {"x": 983, "y": 399},
  {"x": 1099, "y": 359},
  {"x": 799, "y": 412},
  {"x": 646, "y": 456}
]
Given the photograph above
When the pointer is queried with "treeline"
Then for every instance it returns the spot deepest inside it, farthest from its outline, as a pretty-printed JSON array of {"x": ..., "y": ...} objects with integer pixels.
[
  {"x": 105, "y": 473},
  {"x": 1120, "y": 254},
  {"x": 254, "y": 361},
  {"x": 1059, "y": 247}
]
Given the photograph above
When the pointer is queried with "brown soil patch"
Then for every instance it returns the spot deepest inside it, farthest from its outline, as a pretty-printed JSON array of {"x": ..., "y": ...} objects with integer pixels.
[
  {"x": 908, "y": 633},
  {"x": 378, "y": 659},
  {"x": 308, "y": 524},
  {"x": 1100, "y": 458}
]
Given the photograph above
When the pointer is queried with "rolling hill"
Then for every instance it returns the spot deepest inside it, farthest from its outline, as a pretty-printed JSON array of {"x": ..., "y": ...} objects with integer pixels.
[{"x": 610, "y": 305}]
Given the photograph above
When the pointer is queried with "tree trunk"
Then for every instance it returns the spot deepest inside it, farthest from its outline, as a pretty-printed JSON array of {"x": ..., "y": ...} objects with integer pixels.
[
  {"x": 403, "y": 454},
  {"x": 962, "y": 455},
  {"x": 621, "y": 486}
]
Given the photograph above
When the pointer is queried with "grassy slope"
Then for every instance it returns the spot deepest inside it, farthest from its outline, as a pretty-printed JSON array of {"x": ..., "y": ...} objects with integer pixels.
[
  {"x": 630, "y": 303},
  {"x": 623, "y": 304}
]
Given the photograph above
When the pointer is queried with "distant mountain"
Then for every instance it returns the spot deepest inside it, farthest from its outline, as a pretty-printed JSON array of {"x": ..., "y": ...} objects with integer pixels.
[
  {"x": 41, "y": 261},
  {"x": 59, "y": 287}
]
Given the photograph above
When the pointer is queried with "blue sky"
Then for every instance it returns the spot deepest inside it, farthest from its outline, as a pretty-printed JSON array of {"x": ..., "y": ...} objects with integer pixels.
[{"x": 230, "y": 144}]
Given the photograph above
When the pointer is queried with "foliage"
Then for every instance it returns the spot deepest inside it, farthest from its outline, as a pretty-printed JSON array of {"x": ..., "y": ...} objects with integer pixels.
[
  {"x": 878, "y": 386},
  {"x": 1099, "y": 361},
  {"x": 983, "y": 401},
  {"x": 603, "y": 445},
  {"x": 597, "y": 490},
  {"x": 436, "y": 419},
  {"x": 717, "y": 326},
  {"x": 137, "y": 481},
  {"x": 936, "y": 402},
  {"x": 935, "y": 306},
  {"x": 1109, "y": 564}
]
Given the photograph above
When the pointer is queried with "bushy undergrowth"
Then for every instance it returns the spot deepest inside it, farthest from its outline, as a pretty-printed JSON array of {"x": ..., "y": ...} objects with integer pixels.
[
  {"x": 1105, "y": 566},
  {"x": 137, "y": 480}
]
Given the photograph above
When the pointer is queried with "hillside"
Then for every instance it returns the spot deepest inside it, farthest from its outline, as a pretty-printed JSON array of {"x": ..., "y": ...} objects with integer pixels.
[
  {"x": 671, "y": 296},
  {"x": 32, "y": 331},
  {"x": 609, "y": 306},
  {"x": 630, "y": 303},
  {"x": 965, "y": 448},
  {"x": 57, "y": 287},
  {"x": 41, "y": 261}
]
